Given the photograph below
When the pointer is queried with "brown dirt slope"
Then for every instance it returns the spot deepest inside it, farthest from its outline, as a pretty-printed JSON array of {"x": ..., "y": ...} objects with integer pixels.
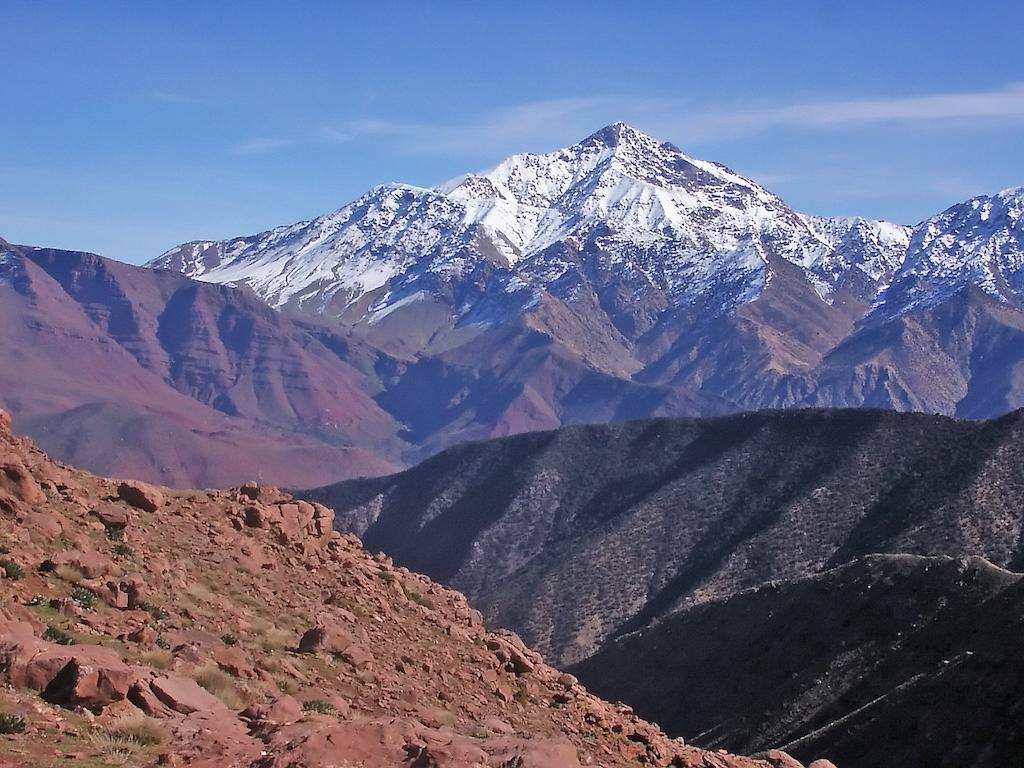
[
  {"x": 142, "y": 626},
  {"x": 124, "y": 370}
]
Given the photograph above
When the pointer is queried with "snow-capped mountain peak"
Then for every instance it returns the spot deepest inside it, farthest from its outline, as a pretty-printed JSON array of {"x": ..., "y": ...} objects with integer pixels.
[
  {"x": 978, "y": 242},
  {"x": 619, "y": 203}
]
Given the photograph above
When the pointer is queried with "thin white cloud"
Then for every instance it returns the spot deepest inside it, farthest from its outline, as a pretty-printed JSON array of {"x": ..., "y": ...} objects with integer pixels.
[
  {"x": 545, "y": 124},
  {"x": 1006, "y": 102},
  {"x": 535, "y": 124},
  {"x": 336, "y": 136}
]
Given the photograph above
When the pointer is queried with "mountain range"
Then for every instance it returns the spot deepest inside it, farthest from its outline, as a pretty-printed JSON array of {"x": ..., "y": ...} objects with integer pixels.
[
  {"x": 696, "y": 290},
  {"x": 741, "y": 553},
  {"x": 617, "y": 278}
]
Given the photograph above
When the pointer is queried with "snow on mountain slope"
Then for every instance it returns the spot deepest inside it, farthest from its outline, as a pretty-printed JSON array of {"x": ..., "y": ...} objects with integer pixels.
[
  {"x": 688, "y": 226},
  {"x": 978, "y": 242},
  {"x": 637, "y": 212},
  {"x": 870, "y": 247}
]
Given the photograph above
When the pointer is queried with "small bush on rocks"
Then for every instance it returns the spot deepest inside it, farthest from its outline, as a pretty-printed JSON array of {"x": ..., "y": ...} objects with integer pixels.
[
  {"x": 11, "y": 569},
  {"x": 84, "y": 597},
  {"x": 319, "y": 706},
  {"x": 121, "y": 550},
  {"x": 11, "y": 724},
  {"x": 58, "y": 636}
]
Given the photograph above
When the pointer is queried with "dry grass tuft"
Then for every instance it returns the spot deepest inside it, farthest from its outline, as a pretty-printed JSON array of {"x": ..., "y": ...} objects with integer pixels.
[
  {"x": 123, "y": 741},
  {"x": 157, "y": 659},
  {"x": 68, "y": 573},
  {"x": 141, "y": 730},
  {"x": 220, "y": 684}
]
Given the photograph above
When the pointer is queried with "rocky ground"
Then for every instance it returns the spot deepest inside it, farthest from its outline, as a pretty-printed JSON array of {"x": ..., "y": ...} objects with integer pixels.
[{"x": 143, "y": 626}]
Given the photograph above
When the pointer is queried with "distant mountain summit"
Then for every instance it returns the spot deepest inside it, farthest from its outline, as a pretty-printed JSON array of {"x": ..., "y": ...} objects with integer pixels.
[
  {"x": 691, "y": 231},
  {"x": 979, "y": 242}
]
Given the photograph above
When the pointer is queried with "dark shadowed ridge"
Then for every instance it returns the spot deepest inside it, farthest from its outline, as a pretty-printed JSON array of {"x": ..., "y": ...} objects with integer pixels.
[
  {"x": 612, "y": 526},
  {"x": 874, "y": 663},
  {"x": 739, "y": 554}
]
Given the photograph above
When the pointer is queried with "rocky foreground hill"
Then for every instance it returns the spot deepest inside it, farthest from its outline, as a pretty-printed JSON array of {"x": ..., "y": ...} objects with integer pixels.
[{"x": 143, "y": 626}]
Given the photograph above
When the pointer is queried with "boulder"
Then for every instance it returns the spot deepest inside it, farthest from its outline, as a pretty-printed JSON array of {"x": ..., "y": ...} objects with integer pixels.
[
  {"x": 81, "y": 675},
  {"x": 822, "y": 763},
  {"x": 218, "y": 739},
  {"x": 92, "y": 564},
  {"x": 323, "y": 519},
  {"x": 778, "y": 759},
  {"x": 281, "y": 711},
  {"x": 141, "y": 695},
  {"x": 144, "y": 635},
  {"x": 140, "y": 495},
  {"x": 325, "y": 639},
  {"x": 18, "y": 481},
  {"x": 113, "y": 516},
  {"x": 89, "y": 680},
  {"x": 265, "y": 494},
  {"x": 184, "y": 695},
  {"x": 18, "y": 646},
  {"x": 233, "y": 661},
  {"x": 358, "y": 655}
]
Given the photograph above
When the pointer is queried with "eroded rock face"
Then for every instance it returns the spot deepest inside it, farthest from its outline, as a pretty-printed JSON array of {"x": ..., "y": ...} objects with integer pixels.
[
  {"x": 113, "y": 516},
  {"x": 401, "y": 742},
  {"x": 16, "y": 480}
]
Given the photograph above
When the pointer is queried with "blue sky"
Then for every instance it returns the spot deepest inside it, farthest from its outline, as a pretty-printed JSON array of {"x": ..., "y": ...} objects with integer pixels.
[{"x": 132, "y": 126}]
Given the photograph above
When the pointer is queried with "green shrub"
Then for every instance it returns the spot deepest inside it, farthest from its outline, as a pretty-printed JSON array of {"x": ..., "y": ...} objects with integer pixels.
[
  {"x": 319, "y": 706},
  {"x": 11, "y": 568},
  {"x": 158, "y": 613},
  {"x": 58, "y": 636},
  {"x": 121, "y": 550},
  {"x": 11, "y": 724},
  {"x": 84, "y": 597},
  {"x": 229, "y": 638}
]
